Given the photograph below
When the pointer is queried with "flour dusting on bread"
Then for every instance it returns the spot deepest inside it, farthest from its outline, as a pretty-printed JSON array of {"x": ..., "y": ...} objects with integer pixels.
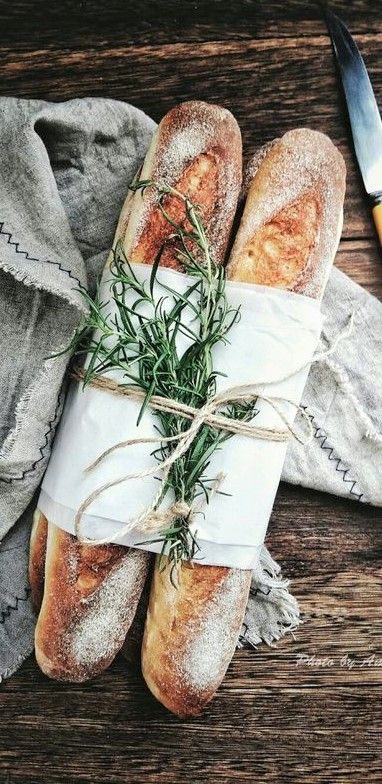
[
  {"x": 188, "y": 133},
  {"x": 91, "y": 593},
  {"x": 303, "y": 172},
  {"x": 288, "y": 237},
  {"x": 107, "y": 613},
  {"x": 213, "y": 635}
]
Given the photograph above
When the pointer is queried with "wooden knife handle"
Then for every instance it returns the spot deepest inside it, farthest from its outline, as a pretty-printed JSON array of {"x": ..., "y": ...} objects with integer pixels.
[{"x": 377, "y": 217}]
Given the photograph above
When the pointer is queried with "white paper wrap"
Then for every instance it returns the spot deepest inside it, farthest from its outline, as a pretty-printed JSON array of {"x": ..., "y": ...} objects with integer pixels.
[{"x": 274, "y": 340}]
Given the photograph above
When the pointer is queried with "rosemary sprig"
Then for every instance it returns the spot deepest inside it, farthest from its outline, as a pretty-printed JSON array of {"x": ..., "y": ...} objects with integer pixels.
[{"x": 141, "y": 341}]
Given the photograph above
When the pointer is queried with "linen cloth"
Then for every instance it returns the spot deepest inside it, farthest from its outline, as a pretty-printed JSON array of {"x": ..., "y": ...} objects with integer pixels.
[{"x": 64, "y": 173}]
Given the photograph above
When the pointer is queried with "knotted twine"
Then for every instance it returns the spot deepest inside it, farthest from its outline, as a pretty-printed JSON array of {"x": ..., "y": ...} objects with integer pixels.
[{"x": 151, "y": 518}]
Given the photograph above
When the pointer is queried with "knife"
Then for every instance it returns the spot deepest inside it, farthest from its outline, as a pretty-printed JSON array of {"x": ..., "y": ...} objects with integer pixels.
[{"x": 365, "y": 119}]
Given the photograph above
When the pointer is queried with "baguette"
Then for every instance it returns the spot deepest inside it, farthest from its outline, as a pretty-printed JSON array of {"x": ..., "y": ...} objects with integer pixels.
[
  {"x": 90, "y": 593},
  {"x": 287, "y": 238}
]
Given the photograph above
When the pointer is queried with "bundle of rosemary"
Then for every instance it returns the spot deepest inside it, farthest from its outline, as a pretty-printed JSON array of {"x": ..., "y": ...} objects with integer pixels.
[{"x": 141, "y": 341}]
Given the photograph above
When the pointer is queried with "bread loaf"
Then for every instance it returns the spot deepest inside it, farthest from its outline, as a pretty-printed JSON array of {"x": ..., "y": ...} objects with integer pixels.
[
  {"x": 288, "y": 237},
  {"x": 90, "y": 593}
]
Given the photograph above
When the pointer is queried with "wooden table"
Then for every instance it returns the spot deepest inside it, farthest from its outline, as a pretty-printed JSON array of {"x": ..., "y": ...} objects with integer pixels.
[{"x": 273, "y": 720}]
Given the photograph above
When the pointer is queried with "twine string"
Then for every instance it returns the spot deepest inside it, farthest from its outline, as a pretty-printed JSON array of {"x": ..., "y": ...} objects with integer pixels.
[{"x": 152, "y": 518}]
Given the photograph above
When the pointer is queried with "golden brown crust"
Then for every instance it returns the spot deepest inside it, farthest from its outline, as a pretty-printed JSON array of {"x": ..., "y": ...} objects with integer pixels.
[
  {"x": 89, "y": 603},
  {"x": 293, "y": 214},
  {"x": 191, "y": 632},
  {"x": 287, "y": 238},
  {"x": 91, "y": 593},
  {"x": 197, "y": 150},
  {"x": 199, "y": 181},
  {"x": 37, "y": 552},
  {"x": 278, "y": 253}
]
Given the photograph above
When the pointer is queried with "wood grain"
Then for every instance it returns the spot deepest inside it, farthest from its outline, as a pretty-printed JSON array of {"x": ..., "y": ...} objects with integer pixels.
[
  {"x": 308, "y": 710},
  {"x": 156, "y": 22},
  {"x": 361, "y": 260},
  {"x": 277, "y": 717},
  {"x": 269, "y": 85}
]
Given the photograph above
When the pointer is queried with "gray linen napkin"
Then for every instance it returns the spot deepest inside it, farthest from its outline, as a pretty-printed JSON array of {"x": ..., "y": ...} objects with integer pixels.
[{"x": 64, "y": 172}]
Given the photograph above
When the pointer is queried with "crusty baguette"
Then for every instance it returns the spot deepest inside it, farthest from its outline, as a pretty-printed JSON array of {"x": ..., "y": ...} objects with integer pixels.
[
  {"x": 89, "y": 602},
  {"x": 91, "y": 592},
  {"x": 287, "y": 238}
]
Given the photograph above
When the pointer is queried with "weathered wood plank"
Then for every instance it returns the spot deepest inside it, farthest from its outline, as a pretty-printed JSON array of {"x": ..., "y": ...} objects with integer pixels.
[
  {"x": 270, "y": 699},
  {"x": 271, "y": 86},
  {"x": 248, "y": 731},
  {"x": 191, "y": 20},
  {"x": 362, "y": 261}
]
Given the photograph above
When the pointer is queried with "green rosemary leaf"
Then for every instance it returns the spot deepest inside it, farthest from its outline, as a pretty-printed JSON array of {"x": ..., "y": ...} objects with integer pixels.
[
  {"x": 146, "y": 401},
  {"x": 155, "y": 269}
]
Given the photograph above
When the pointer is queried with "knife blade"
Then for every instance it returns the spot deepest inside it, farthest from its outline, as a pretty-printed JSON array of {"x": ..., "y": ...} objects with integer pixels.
[{"x": 364, "y": 116}]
